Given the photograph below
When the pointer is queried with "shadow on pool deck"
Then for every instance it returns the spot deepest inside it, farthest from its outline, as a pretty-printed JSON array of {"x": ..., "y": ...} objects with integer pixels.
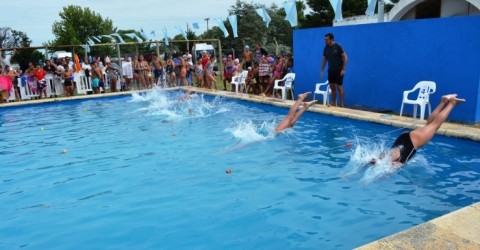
[{"x": 456, "y": 230}]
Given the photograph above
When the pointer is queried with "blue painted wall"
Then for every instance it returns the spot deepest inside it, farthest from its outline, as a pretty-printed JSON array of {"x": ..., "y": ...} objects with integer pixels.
[{"x": 387, "y": 58}]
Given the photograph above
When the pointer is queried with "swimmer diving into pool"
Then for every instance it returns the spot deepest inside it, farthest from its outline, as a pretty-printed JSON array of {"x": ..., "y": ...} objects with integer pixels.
[
  {"x": 188, "y": 95},
  {"x": 294, "y": 113},
  {"x": 407, "y": 144}
]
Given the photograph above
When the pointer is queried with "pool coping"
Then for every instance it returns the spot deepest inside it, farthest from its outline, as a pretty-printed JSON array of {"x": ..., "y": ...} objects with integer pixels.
[
  {"x": 463, "y": 131},
  {"x": 454, "y": 230}
]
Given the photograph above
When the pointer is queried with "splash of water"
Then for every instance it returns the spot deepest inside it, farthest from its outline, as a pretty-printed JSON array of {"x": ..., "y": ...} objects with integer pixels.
[
  {"x": 248, "y": 132},
  {"x": 171, "y": 107},
  {"x": 362, "y": 155}
]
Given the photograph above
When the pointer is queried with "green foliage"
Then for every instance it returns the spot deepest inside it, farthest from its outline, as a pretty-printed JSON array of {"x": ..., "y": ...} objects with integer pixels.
[
  {"x": 389, "y": 6},
  {"x": 17, "y": 39},
  {"x": 354, "y": 8},
  {"x": 13, "y": 39},
  {"x": 322, "y": 13},
  {"x": 251, "y": 29},
  {"x": 183, "y": 46},
  {"x": 77, "y": 24}
]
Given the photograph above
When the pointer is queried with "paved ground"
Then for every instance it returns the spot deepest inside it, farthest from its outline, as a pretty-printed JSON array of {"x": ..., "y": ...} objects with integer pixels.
[{"x": 457, "y": 230}]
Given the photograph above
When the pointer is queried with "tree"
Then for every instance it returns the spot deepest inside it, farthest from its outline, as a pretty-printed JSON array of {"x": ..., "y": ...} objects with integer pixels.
[
  {"x": 322, "y": 12},
  {"x": 17, "y": 39},
  {"x": 78, "y": 24},
  {"x": 389, "y": 6},
  {"x": 184, "y": 46},
  {"x": 251, "y": 29},
  {"x": 13, "y": 39}
]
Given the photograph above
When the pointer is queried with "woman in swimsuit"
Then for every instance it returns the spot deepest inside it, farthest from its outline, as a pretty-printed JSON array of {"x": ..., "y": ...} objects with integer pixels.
[
  {"x": 144, "y": 69},
  {"x": 199, "y": 73},
  {"x": 183, "y": 72},
  {"x": 407, "y": 144},
  {"x": 209, "y": 74},
  {"x": 67, "y": 81},
  {"x": 170, "y": 69}
]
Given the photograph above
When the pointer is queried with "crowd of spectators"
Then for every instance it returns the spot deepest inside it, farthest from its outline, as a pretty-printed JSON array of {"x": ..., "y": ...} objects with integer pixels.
[{"x": 148, "y": 71}]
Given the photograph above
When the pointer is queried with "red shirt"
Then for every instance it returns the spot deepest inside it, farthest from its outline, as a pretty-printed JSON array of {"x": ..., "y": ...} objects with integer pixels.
[
  {"x": 205, "y": 61},
  {"x": 39, "y": 74}
]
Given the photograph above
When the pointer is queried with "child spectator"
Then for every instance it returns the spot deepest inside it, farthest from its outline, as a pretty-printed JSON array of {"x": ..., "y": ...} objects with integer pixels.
[
  {"x": 39, "y": 74},
  {"x": 264, "y": 73},
  {"x": 228, "y": 72},
  {"x": 277, "y": 73},
  {"x": 199, "y": 73}
]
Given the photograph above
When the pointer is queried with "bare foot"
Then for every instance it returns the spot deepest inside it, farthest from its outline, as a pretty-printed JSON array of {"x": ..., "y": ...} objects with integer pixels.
[
  {"x": 303, "y": 96},
  {"x": 456, "y": 101},
  {"x": 308, "y": 104},
  {"x": 447, "y": 98}
]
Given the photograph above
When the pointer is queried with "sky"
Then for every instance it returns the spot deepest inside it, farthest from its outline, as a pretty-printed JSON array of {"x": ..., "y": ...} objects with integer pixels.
[{"x": 35, "y": 18}]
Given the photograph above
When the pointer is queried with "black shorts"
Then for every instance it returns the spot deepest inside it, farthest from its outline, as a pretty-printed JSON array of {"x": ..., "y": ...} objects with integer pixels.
[
  {"x": 335, "y": 77},
  {"x": 246, "y": 65},
  {"x": 158, "y": 73}
]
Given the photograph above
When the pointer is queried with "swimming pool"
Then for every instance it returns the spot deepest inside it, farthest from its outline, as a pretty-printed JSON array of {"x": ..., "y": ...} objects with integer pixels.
[{"x": 146, "y": 172}]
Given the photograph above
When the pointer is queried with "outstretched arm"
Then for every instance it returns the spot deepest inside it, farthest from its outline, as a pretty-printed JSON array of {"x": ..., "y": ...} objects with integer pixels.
[{"x": 324, "y": 62}]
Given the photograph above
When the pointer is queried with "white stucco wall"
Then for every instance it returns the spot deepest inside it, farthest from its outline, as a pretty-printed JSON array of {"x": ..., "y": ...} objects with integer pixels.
[{"x": 406, "y": 10}]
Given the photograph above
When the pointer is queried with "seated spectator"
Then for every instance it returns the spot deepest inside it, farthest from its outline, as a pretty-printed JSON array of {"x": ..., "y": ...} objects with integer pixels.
[{"x": 251, "y": 82}]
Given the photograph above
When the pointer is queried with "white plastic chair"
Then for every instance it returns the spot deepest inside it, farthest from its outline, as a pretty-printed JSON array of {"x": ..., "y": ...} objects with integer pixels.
[
  {"x": 425, "y": 88},
  {"x": 325, "y": 93},
  {"x": 239, "y": 80},
  {"x": 287, "y": 85}
]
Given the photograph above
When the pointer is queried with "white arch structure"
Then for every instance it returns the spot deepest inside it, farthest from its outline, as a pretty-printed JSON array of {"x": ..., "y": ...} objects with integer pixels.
[{"x": 404, "y": 6}]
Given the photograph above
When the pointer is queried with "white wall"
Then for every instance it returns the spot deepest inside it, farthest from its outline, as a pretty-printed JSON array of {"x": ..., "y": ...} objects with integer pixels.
[
  {"x": 406, "y": 10},
  {"x": 454, "y": 8}
]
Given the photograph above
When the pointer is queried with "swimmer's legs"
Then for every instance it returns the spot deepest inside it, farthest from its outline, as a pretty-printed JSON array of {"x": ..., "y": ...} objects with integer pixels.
[
  {"x": 300, "y": 112},
  {"x": 439, "y": 108},
  {"x": 293, "y": 109},
  {"x": 422, "y": 136},
  {"x": 290, "y": 119}
]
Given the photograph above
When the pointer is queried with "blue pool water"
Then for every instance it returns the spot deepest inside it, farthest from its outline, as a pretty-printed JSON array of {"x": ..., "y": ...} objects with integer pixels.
[{"x": 147, "y": 172}]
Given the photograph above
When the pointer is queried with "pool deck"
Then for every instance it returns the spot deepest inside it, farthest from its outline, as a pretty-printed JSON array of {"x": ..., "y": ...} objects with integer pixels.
[{"x": 457, "y": 230}]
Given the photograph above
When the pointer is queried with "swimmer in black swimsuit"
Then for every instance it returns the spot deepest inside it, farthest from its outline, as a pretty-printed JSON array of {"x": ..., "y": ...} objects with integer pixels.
[{"x": 407, "y": 143}]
